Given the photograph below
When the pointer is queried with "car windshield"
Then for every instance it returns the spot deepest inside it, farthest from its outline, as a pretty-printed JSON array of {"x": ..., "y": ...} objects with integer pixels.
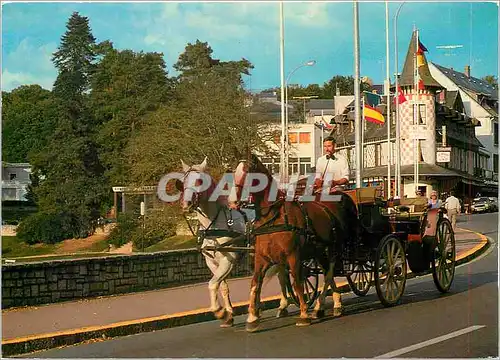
[{"x": 480, "y": 200}]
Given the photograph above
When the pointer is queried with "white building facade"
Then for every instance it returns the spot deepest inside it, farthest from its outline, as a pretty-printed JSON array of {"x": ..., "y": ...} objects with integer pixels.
[{"x": 15, "y": 181}]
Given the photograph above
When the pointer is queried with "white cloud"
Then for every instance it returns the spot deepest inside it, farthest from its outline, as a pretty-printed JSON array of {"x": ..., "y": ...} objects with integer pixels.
[
  {"x": 307, "y": 14},
  {"x": 28, "y": 64},
  {"x": 228, "y": 21},
  {"x": 11, "y": 80}
]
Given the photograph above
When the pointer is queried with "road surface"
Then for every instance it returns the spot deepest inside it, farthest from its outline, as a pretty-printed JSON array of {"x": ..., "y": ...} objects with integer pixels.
[{"x": 462, "y": 323}]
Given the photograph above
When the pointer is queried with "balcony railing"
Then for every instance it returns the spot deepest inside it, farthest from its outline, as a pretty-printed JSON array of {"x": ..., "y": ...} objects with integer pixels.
[
  {"x": 485, "y": 174},
  {"x": 15, "y": 183}
]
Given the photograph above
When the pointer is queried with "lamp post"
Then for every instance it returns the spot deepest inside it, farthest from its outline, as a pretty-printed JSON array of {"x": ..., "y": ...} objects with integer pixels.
[
  {"x": 282, "y": 73},
  {"x": 357, "y": 98},
  {"x": 285, "y": 130},
  {"x": 398, "y": 129}
]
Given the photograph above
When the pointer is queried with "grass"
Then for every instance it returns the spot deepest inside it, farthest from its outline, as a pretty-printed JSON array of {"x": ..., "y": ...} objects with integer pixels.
[
  {"x": 13, "y": 247},
  {"x": 173, "y": 243},
  {"x": 62, "y": 257}
]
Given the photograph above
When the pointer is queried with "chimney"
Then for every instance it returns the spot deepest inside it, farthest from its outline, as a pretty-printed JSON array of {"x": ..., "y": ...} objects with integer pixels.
[{"x": 467, "y": 71}]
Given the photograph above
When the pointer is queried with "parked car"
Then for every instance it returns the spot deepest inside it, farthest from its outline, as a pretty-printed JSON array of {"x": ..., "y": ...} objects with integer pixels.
[
  {"x": 494, "y": 204},
  {"x": 482, "y": 204}
]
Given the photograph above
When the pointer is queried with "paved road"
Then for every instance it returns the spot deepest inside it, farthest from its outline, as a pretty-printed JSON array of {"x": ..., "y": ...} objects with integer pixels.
[{"x": 463, "y": 323}]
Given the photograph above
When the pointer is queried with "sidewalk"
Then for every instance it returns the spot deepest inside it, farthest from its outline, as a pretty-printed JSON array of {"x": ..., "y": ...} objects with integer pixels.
[{"x": 34, "y": 328}]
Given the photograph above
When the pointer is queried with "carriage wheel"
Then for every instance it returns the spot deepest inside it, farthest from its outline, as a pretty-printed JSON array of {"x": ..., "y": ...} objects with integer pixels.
[
  {"x": 361, "y": 279},
  {"x": 443, "y": 259},
  {"x": 310, "y": 272},
  {"x": 390, "y": 270}
]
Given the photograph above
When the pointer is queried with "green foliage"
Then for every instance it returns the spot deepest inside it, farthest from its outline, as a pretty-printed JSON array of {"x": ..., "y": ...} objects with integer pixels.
[
  {"x": 122, "y": 233},
  {"x": 14, "y": 214},
  {"x": 328, "y": 90},
  {"x": 28, "y": 120},
  {"x": 48, "y": 228},
  {"x": 13, "y": 247},
  {"x": 208, "y": 119},
  {"x": 73, "y": 183},
  {"x": 159, "y": 224},
  {"x": 492, "y": 80},
  {"x": 74, "y": 59},
  {"x": 125, "y": 86},
  {"x": 173, "y": 243},
  {"x": 197, "y": 61}
]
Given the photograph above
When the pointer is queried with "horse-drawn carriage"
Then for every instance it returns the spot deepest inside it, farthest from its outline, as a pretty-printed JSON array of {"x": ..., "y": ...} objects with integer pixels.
[
  {"x": 385, "y": 238},
  {"x": 390, "y": 237}
]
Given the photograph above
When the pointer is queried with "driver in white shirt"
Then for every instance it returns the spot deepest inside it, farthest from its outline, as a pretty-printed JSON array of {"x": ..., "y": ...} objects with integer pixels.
[{"x": 331, "y": 166}]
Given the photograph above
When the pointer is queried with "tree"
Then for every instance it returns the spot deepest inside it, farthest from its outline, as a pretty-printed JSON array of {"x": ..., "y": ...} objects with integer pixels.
[
  {"x": 125, "y": 86},
  {"x": 28, "y": 120},
  {"x": 196, "y": 60},
  {"x": 345, "y": 85},
  {"x": 74, "y": 59},
  {"x": 73, "y": 185},
  {"x": 492, "y": 80},
  {"x": 209, "y": 118}
]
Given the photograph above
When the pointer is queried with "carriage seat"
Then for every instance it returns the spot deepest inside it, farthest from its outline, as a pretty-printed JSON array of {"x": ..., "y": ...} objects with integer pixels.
[
  {"x": 367, "y": 195},
  {"x": 418, "y": 204}
]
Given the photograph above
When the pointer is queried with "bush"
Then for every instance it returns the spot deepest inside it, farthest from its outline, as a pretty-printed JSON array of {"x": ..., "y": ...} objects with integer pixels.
[
  {"x": 121, "y": 234},
  {"x": 158, "y": 225},
  {"x": 48, "y": 228}
]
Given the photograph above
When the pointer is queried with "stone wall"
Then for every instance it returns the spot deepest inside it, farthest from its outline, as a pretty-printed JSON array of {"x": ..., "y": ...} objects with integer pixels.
[{"x": 64, "y": 280}]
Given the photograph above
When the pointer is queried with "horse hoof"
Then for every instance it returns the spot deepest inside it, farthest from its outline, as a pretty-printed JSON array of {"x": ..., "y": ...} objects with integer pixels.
[
  {"x": 303, "y": 322},
  {"x": 282, "y": 313},
  {"x": 318, "y": 314},
  {"x": 228, "y": 322},
  {"x": 219, "y": 314},
  {"x": 337, "y": 312},
  {"x": 252, "y": 326}
]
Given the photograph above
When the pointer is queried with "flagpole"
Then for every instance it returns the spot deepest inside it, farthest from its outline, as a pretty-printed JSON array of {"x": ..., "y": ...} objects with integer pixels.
[
  {"x": 398, "y": 127},
  {"x": 282, "y": 68},
  {"x": 417, "y": 161},
  {"x": 363, "y": 121},
  {"x": 357, "y": 118},
  {"x": 388, "y": 91},
  {"x": 415, "y": 109}
]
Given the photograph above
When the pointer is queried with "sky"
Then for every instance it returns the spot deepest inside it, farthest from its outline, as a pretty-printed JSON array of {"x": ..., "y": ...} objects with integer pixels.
[{"x": 317, "y": 31}]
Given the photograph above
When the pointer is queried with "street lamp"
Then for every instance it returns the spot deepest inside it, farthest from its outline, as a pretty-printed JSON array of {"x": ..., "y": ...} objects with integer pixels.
[
  {"x": 309, "y": 63},
  {"x": 398, "y": 130}
]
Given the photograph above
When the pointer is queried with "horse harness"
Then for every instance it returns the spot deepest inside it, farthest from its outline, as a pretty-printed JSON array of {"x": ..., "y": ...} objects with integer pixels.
[{"x": 201, "y": 234}]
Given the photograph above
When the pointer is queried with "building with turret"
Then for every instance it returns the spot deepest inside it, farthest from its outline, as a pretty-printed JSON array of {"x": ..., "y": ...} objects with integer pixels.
[{"x": 430, "y": 119}]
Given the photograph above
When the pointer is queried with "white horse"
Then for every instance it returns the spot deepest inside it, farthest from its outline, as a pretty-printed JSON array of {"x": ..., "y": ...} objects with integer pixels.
[{"x": 220, "y": 224}]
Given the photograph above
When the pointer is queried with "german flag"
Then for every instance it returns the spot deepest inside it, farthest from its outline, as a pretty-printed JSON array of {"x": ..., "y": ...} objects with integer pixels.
[{"x": 371, "y": 114}]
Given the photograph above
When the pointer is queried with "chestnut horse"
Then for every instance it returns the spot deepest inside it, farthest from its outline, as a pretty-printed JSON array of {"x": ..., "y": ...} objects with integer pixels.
[
  {"x": 219, "y": 225},
  {"x": 288, "y": 233}
]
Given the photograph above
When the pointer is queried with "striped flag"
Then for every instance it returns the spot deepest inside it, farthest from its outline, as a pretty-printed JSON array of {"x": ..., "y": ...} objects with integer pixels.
[
  {"x": 372, "y": 115},
  {"x": 370, "y": 112}
]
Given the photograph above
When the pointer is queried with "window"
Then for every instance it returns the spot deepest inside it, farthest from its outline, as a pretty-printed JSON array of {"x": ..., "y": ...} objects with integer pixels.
[
  {"x": 12, "y": 176},
  {"x": 495, "y": 133},
  {"x": 293, "y": 138},
  {"x": 423, "y": 114},
  {"x": 495, "y": 163},
  {"x": 378, "y": 155},
  {"x": 305, "y": 138}
]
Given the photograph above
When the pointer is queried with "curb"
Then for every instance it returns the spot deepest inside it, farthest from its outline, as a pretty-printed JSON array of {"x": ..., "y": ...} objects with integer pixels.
[{"x": 29, "y": 344}]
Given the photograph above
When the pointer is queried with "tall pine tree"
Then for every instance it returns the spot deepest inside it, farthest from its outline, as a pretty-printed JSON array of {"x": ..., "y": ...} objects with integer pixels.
[{"x": 73, "y": 185}]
